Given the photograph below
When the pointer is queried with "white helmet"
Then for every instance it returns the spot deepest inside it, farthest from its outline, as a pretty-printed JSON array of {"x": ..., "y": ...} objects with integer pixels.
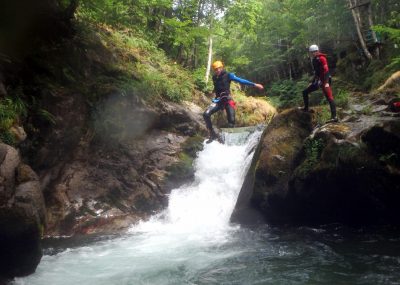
[{"x": 313, "y": 48}]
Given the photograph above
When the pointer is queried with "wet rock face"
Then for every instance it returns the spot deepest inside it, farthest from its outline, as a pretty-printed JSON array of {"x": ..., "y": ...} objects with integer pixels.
[
  {"x": 281, "y": 146},
  {"x": 345, "y": 172},
  {"x": 107, "y": 180},
  {"x": 22, "y": 215}
]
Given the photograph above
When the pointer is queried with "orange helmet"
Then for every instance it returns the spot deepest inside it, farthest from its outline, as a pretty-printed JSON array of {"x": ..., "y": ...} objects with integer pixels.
[{"x": 217, "y": 64}]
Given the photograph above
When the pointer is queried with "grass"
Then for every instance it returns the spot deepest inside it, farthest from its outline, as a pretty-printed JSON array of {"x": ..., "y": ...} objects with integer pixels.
[
  {"x": 323, "y": 114},
  {"x": 342, "y": 98},
  {"x": 157, "y": 77},
  {"x": 12, "y": 109},
  {"x": 251, "y": 110},
  {"x": 312, "y": 149},
  {"x": 287, "y": 93}
]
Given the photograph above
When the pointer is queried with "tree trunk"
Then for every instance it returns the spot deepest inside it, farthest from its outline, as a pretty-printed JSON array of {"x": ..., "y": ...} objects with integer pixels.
[
  {"x": 357, "y": 22},
  {"x": 370, "y": 23},
  {"x": 210, "y": 43},
  {"x": 210, "y": 48}
]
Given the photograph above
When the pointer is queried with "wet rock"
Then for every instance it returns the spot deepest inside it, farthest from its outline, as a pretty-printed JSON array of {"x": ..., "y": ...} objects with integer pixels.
[
  {"x": 22, "y": 215},
  {"x": 20, "y": 250},
  {"x": 9, "y": 163},
  {"x": 176, "y": 117},
  {"x": 124, "y": 171},
  {"x": 18, "y": 133},
  {"x": 283, "y": 138},
  {"x": 383, "y": 141},
  {"x": 341, "y": 172}
]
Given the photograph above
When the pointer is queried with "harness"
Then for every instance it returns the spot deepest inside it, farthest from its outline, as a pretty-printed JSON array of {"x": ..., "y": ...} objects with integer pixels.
[{"x": 222, "y": 88}]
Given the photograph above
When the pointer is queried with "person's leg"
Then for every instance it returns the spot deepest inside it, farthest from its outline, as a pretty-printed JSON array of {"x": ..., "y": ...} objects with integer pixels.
[
  {"x": 329, "y": 97},
  {"x": 213, "y": 108},
  {"x": 310, "y": 88},
  {"x": 230, "y": 114}
]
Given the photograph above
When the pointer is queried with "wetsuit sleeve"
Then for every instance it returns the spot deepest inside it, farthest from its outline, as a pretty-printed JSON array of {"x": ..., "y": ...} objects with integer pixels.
[
  {"x": 233, "y": 77},
  {"x": 325, "y": 68}
]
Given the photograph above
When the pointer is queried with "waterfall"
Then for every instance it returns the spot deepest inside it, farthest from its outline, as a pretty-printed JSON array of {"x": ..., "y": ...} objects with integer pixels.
[{"x": 173, "y": 246}]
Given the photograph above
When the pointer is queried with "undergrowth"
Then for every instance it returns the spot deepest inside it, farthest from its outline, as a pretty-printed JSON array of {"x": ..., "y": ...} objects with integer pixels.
[{"x": 312, "y": 150}]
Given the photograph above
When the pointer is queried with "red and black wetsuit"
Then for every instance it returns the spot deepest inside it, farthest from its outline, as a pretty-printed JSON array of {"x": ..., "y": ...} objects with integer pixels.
[{"x": 322, "y": 76}]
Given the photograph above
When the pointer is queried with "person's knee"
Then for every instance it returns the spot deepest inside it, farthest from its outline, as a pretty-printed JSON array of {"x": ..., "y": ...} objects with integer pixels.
[{"x": 305, "y": 92}]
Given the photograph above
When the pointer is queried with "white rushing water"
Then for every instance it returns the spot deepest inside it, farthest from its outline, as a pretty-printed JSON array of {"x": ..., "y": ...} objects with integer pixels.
[{"x": 174, "y": 246}]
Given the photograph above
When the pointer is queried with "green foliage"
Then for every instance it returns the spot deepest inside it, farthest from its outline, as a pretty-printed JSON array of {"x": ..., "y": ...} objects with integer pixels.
[
  {"x": 199, "y": 80},
  {"x": 157, "y": 85},
  {"x": 139, "y": 68},
  {"x": 181, "y": 28},
  {"x": 123, "y": 13},
  {"x": 11, "y": 109},
  {"x": 367, "y": 110},
  {"x": 312, "y": 150},
  {"x": 323, "y": 115},
  {"x": 392, "y": 33},
  {"x": 7, "y": 137},
  {"x": 273, "y": 35},
  {"x": 47, "y": 116},
  {"x": 287, "y": 93},
  {"x": 342, "y": 98},
  {"x": 390, "y": 158}
]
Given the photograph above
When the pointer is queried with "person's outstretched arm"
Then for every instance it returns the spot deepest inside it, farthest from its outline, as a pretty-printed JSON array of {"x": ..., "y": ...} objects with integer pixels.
[{"x": 233, "y": 77}]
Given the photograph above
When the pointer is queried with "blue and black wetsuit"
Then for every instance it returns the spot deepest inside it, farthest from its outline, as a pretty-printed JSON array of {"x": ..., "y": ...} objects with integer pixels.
[{"x": 223, "y": 99}]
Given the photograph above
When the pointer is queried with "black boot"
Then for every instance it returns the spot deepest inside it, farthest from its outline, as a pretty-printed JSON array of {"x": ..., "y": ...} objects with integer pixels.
[
  {"x": 213, "y": 136},
  {"x": 334, "y": 118},
  {"x": 305, "y": 100}
]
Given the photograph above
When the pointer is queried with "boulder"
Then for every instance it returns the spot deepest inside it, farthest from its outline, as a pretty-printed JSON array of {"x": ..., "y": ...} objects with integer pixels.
[
  {"x": 20, "y": 250},
  {"x": 18, "y": 133},
  {"x": 281, "y": 147},
  {"x": 9, "y": 160},
  {"x": 342, "y": 172},
  {"x": 22, "y": 215}
]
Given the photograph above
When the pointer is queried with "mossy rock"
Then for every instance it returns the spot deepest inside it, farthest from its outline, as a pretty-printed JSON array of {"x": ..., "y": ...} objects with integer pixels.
[{"x": 182, "y": 171}]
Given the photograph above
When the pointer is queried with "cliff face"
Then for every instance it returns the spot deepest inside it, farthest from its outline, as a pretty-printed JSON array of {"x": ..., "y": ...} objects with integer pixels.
[
  {"x": 107, "y": 181},
  {"x": 340, "y": 172}
]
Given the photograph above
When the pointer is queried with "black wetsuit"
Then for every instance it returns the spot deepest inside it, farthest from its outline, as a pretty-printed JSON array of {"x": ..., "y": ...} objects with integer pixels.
[{"x": 223, "y": 100}]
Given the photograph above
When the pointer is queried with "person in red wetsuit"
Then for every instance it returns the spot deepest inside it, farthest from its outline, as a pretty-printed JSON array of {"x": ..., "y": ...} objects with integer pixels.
[{"x": 321, "y": 79}]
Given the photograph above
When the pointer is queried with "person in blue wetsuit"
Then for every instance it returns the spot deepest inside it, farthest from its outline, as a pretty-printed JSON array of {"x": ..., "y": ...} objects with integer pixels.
[{"x": 223, "y": 100}]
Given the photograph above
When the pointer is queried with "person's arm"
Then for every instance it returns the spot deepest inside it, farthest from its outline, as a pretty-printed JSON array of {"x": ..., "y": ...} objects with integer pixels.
[{"x": 233, "y": 77}]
